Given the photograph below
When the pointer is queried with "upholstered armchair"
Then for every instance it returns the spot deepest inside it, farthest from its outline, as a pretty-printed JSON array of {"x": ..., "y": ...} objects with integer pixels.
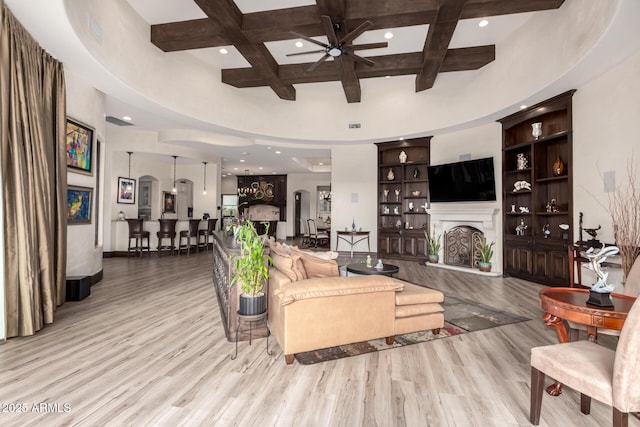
[{"x": 612, "y": 377}]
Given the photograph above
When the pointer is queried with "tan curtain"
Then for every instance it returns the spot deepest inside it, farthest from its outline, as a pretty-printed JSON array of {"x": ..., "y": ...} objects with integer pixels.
[{"x": 33, "y": 156}]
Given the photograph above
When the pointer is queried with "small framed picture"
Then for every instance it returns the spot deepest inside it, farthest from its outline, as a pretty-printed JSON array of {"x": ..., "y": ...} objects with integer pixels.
[
  {"x": 79, "y": 147},
  {"x": 126, "y": 190},
  {"x": 168, "y": 202},
  {"x": 79, "y": 205}
]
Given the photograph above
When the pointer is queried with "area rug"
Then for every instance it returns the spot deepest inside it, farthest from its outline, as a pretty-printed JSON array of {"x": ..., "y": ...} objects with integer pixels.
[{"x": 461, "y": 317}]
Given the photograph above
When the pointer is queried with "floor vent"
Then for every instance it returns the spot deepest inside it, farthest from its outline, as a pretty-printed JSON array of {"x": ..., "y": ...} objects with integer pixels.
[{"x": 118, "y": 122}]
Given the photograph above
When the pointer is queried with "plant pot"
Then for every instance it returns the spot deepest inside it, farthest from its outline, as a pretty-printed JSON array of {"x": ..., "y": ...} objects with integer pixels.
[
  {"x": 433, "y": 259},
  {"x": 252, "y": 305},
  {"x": 484, "y": 266}
]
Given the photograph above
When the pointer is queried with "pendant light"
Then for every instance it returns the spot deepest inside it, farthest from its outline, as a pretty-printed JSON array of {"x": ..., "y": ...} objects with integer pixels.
[
  {"x": 174, "y": 190},
  {"x": 129, "y": 183},
  {"x": 204, "y": 191}
]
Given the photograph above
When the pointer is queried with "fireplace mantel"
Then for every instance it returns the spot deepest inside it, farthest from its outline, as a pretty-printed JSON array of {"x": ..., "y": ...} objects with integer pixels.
[{"x": 464, "y": 215}]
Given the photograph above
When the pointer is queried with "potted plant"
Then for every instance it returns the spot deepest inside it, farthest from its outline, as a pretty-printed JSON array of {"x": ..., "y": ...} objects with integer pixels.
[
  {"x": 251, "y": 270},
  {"x": 433, "y": 247},
  {"x": 486, "y": 253}
]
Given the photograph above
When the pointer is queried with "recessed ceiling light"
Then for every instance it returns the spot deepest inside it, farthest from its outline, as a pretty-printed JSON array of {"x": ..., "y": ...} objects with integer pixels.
[
  {"x": 223, "y": 51},
  {"x": 387, "y": 77},
  {"x": 278, "y": 152},
  {"x": 483, "y": 23},
  {"x": 299, "y": 44},
  {"x": 127, "y": 118},
  {"x": 388, "y": 35},
  {"x": 260, "y": 168},
  {"x": 522, "y": 107},
  {"x": 273, "y": 173},
  {"x": 268, "y": 148},
  {"x": 401, "y": 138},
  {"x": 241, "y": 160},
  {"x": 235, "y": 169}
]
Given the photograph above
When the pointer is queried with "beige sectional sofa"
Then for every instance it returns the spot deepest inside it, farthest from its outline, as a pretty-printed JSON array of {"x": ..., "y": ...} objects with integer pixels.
[{"x": 311, "y": 307}]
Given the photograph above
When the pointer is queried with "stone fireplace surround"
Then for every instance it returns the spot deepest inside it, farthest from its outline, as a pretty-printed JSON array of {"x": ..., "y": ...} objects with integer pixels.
[{"x": 483, "y": 218}]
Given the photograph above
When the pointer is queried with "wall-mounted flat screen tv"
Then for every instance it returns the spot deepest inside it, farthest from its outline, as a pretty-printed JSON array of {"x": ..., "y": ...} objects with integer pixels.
[{"x": 468, "y": 181}]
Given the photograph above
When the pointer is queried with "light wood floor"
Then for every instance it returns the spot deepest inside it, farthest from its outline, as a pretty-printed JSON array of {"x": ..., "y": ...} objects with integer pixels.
[{"x": 147, "y": 348}]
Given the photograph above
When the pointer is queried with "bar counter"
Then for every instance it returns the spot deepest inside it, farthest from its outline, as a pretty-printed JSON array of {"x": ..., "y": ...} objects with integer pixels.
[
  {"x": 224, "y": 248},
  {"x": 120, "y": 233}
]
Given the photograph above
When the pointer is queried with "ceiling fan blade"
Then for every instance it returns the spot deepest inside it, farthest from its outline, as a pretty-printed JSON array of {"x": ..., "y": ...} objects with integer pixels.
[
  {"x": 306, "y": 53},
  {"x": 368, "y": 46},
  {"x": 318, "y": 62},
  {"x": 327, "y": 25},
  {"x": 309, "y": 39},
  {"x": 361, "y": 59},
  {"x": 355, "y": 33}
]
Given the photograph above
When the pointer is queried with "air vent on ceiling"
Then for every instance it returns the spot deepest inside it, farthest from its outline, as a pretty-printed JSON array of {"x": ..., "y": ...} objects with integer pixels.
[
  {"x": 354, "y": 125},
  {"x": 116, "y": 121}
]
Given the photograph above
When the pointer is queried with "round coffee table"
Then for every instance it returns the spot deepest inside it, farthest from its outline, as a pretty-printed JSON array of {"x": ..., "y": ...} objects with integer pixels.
[{"x": 360, "y": 268}]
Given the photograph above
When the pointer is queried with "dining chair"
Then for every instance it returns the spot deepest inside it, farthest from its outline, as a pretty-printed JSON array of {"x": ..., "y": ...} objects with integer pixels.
[
  {"x": 593, "y": 370},
  {"x": 316, "y": 238},
  {"x": 631, "y": 288},
  {"x": 304, "y": 227}
]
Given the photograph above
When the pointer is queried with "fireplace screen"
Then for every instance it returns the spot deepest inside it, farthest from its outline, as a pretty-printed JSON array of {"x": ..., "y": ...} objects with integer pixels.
[{"x": 462, "y": 246}]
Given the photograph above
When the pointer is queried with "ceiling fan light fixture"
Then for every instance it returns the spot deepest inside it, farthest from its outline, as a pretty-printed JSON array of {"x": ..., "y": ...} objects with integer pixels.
[{"x": 334, "y": 51}]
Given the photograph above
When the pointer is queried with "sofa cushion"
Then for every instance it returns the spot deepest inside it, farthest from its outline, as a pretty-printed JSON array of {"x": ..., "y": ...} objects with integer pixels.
[
  {"x": 330, "y": 287},
  {"x": 414, "y": 294},
  {"x": 417, "y": 309},
  {"x": 316, "y": 267}
]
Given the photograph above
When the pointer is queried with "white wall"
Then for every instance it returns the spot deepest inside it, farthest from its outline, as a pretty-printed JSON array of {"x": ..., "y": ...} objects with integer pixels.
[
  {"x": 354, "y": 191},
  {"x": 606, "y": 136},
  {"x": 87, "y": 105}
]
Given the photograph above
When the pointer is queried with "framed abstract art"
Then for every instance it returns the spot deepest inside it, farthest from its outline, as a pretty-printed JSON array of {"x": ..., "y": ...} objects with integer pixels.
[
  {"x": 79, "y": 205},
  {"x": 79, "y": 147}
]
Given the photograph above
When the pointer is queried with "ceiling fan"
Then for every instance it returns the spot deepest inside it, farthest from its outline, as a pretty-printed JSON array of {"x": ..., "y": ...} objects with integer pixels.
[{"x": 338, "y": 47}]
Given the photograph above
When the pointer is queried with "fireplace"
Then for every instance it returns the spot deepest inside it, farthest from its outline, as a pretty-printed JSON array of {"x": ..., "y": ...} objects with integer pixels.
[
  {"x": 463, "y": 228},
  {"x": 462, "y": 246}
]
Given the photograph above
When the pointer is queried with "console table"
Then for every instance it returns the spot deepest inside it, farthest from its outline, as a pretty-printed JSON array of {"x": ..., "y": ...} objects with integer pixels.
[
  {"x": 228, "y": 295},
  {"x": 353, "y": 238}
]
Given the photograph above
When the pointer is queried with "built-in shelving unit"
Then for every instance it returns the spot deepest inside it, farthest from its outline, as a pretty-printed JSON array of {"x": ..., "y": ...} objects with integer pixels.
[
  {"x": 403, "y": 198},
  {"x": 537, "y": 251}
]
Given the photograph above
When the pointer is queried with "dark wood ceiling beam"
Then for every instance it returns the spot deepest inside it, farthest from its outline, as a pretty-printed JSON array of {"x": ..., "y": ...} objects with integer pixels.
[
  {"x": 437, "y": 43},
  {"x": 462, "y": 59},
  {"x": 194, "y": 34},
  {"x": 227, "y": 15},
  {"x": 487, "y": 8}
]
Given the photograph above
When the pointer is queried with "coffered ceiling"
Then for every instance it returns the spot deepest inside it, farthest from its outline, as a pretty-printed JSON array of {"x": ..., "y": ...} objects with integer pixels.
[{"x": 259, "y": 32}]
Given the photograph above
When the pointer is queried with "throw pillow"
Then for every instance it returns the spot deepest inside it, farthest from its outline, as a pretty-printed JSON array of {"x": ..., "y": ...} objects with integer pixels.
[
  {"x": 316, "y": 267},
  {"x": 287, "y": 263}
]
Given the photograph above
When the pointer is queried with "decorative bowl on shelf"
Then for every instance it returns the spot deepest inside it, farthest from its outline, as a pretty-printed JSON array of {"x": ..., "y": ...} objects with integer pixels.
[{"x": 416, "y": 193}]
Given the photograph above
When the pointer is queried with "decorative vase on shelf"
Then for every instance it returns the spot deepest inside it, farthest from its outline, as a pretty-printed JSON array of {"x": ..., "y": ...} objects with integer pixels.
[
  {"x": 536, "y": 129},
  {"x": 402, "y": 156},
  {"x": 558, "y": 167},
  {"x": 391, "y": 176},
  {"x": 416, "y": 173}
]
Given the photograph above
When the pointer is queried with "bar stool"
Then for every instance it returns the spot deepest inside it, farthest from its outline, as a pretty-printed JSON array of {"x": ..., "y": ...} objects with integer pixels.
[
  {"x": 167, "y": 231},
  {"x": 188, "y": 234},
  {"x": 136, "y": 232},
  {"x": 203, "y": 235}
]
